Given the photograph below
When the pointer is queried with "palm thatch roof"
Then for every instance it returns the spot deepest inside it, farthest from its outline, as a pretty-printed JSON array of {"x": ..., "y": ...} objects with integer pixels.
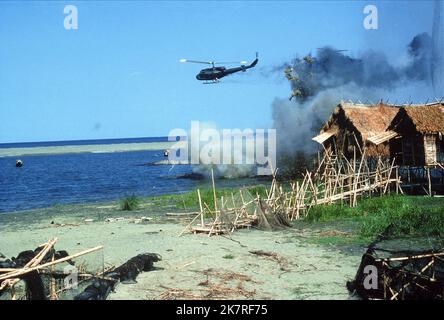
[
  {"x": 368, "y": 120},
  {"x": 426, "y": 118}
]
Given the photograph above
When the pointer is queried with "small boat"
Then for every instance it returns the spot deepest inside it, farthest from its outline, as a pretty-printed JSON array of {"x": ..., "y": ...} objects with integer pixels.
[{"x": 18, "y": 163}]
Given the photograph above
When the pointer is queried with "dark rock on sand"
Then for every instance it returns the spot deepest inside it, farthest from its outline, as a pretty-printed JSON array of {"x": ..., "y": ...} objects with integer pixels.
[
  {"x": 98, "y": 290},
  {"x": 128, "y": 272}
]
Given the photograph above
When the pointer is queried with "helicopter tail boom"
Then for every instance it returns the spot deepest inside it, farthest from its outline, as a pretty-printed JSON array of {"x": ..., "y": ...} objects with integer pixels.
[{"x": 254, "y": 63}]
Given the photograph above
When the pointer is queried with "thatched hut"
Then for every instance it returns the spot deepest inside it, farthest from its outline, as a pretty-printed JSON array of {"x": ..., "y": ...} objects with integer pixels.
[
  {"x": 352, "y": 127},
  {"x": 420, "y": 131}
]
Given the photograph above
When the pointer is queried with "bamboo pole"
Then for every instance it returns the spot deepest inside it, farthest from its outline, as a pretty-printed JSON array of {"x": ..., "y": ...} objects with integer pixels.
[
  {"x": 388, "y": 177},
  {"x": 214, "y": 191},
  {"x": 355, "y": 186},
  {"x": 242, "y": 197},
  {"x": 420, "y": 256},
  {"x": 13, "y": 293},
  {"x": 33, "y": 262},
  {"x": 21, "y": 272},
  {"x": 189, "y": 225},
  {"x": 53, "y": 289},
  {"x": 429, "y": 180},
  {"x": 201, "y": 209},
  {"x": 414, "y": 278},
  {"x": 87, "y": 276}
]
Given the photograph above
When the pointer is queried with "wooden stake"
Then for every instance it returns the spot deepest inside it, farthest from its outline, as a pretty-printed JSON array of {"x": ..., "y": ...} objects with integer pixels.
[
  {"x": 214, "y": 191},
  {"x": 53, "y": 289},
  {"x": 13, "y": 294},
  {"x": 201, "y": 209},
  {"x": 189, "y": 225},
  {"x": 429, "y": 181}
]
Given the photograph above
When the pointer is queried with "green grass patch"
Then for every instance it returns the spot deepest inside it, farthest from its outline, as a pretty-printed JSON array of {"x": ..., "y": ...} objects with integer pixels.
[
  {"x": 190, "y": 200},
  {"x": 407, "y": 215},
  {"x": 339, "y": 240},
  {"x": 325, "y": 213},
  {"x": 129, "y": 203},
  {"x": 407, "y": 219}
]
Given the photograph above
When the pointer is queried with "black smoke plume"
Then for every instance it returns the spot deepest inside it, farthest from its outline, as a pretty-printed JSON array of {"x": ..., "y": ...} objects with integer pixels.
[
  {"x": 331, "y": 68},
  {"x": 319, "y": 82}
]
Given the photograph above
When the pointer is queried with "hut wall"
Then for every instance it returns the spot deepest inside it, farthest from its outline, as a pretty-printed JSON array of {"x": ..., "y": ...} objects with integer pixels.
[
  {"x": 351, "y": 142},
  {"x": 381, "y": 150},
  {"x": 431, "y": 148},
  {"x": 347, "y": 139},
  {"x": 413, "y": 150},
  {"x": 396, "y": 150},
  {"x": 409, "y": 148},
  {"x": 441, "y": 149}
]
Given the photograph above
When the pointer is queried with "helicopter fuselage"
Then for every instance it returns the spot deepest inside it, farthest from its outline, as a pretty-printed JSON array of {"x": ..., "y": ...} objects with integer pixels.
[
  {"x": 215, "y": 73},
  {"x": 211, "y": 73}
]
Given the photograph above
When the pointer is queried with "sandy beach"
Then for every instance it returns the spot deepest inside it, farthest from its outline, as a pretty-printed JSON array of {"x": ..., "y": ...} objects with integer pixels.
[
  {"x": 120, "y": 147},
  {"x": 192, "y": 266}
]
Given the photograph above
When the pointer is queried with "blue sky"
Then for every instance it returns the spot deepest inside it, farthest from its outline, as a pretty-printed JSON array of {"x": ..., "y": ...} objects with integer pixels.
[{"x": 119, "y": 74}]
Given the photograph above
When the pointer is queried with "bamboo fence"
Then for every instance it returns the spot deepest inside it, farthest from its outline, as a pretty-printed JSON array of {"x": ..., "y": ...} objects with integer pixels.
[{"x": 335, "y": 180}]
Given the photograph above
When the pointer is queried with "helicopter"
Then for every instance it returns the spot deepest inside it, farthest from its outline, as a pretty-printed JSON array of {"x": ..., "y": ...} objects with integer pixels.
[{"x": 214, "y": 74}]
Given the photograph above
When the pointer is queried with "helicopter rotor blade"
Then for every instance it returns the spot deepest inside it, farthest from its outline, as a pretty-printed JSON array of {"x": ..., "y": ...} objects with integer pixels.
[
  {"x": 230, "y": 62},
  {"x": 195, "y": 61},
  {"x": 342, "y": 50}
]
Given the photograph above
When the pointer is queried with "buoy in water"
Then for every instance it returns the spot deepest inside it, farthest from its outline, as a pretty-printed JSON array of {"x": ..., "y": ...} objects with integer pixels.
[{"x": 18, "y": 163}]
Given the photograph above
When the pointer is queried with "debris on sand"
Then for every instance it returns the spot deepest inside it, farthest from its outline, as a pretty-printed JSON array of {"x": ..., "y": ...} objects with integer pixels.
[
  {"x": 42, "y": 281},
  {"x": 334, "y": 233},
  {"x": 283, "y": 262},
  {"x": 241, "y": 210},
  {"x": 399, "y": 275},
  {"x": 126, "y": 273},
  {"x": 61, "y": 225},
  {"x": 36, "y": 269},
  {"x": 217, "y": 285},
  {"x": 129, "y": 271},
  {"x": 226, "y": 276},
  {"x": 141, "y": 220}
]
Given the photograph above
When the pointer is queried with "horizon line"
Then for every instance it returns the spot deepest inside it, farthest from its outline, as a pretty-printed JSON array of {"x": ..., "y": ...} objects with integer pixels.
[{"x": 78, "y": 140}]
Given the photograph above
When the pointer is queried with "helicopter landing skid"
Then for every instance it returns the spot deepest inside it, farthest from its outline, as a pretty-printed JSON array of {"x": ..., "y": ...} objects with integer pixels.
[{"x": 212, "y": 81}]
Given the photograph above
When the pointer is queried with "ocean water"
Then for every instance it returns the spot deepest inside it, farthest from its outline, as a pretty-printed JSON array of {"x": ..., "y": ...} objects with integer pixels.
[{"x": 69, "y": 178}]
